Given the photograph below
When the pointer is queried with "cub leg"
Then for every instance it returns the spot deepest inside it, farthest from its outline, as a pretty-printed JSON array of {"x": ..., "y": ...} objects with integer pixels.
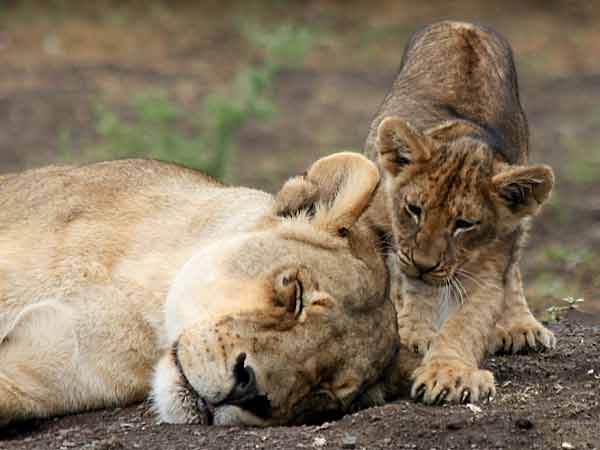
[
  {"x": 450, "y": 370},
  {"x": 517, "y": 328},
  {"x": 417, "y": 315}
]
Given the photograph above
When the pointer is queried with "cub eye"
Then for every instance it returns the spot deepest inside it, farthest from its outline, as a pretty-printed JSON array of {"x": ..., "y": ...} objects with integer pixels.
[
  {"x": 414, "y": 210},
  {"x": 463, "y": 225}
]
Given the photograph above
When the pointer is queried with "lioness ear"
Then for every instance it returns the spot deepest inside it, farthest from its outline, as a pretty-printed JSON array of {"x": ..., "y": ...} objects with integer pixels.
[
  {"x": 399, "y": 144},
  {"x": 297, "y": 194},
  {"x": 524, "y": 189},
  {"x": 337, "y": 188}
]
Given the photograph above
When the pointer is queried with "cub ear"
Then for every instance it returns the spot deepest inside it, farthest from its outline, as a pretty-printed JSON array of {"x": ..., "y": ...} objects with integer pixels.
[
  {"x": 336, "y": 189},
  {"x": 524, "y": 189},
  {"x": 399, "y": 144}
]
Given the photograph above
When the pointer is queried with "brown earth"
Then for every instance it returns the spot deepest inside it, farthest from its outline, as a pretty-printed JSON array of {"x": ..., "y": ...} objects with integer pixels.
[
  {"x": 544, "y": 401},
  {"x": 58, "y": 57}
]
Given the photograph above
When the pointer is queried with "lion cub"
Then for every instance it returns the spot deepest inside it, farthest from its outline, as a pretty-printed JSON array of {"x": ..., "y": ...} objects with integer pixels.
[{"x": 451, "y": 141}]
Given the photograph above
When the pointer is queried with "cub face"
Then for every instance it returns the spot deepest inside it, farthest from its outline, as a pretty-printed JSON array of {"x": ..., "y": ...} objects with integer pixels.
[{"x": 451, "y": 202}]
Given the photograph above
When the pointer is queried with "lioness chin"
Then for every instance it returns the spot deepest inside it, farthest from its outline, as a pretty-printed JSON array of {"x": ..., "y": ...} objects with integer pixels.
[
  {"x": 228, "y": 305},
  {"x": 451, "y": 141}
]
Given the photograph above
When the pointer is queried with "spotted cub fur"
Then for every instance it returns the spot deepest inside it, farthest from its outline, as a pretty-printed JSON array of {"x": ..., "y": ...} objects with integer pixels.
[{"x": 451, "y": 141}]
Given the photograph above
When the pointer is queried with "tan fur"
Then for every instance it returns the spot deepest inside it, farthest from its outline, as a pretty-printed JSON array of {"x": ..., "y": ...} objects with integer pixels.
[
  {"x": 451, "y": 140},
  {"x": 125, "y": 277}
]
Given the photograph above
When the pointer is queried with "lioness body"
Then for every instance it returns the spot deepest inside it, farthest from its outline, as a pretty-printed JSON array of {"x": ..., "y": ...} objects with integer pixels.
[
  {"x": 76, "y": 254},
  {"x": 108, "y": 268},
  {"x": 452, "y": 141}
]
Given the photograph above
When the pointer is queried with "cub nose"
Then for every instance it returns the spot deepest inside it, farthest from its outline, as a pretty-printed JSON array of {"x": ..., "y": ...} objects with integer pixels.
[
  {"x": 425, "y": 265},
  {"x": 245, "y": 388}
]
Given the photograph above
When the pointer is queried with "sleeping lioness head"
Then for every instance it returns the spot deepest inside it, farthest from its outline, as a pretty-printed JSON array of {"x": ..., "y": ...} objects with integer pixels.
[
  {"x": 227, "y": 305},
  {"x": 284, "y": 323}
]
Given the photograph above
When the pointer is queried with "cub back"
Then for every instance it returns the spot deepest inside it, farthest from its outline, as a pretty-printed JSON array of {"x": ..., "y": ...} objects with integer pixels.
[{"x": 459, "y": 71}]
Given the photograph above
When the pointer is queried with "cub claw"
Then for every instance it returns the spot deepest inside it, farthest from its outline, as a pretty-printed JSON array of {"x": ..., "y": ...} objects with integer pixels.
[
  {"x": 420, "y": 392},
  {"x": 441, "y": 398},
  {"x": 522, "y": 336},
  {"x": 465, "y": 396},
  {"x": 440, "y": 381}
]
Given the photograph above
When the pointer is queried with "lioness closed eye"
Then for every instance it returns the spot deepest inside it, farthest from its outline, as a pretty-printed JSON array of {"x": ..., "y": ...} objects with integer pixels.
[
  {"x": 230, "y": 306},
  {"x": 451, "y": 141}
]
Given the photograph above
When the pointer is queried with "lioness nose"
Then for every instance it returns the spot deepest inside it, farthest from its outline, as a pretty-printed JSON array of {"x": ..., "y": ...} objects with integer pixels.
[{"x": 244, "y": 388}]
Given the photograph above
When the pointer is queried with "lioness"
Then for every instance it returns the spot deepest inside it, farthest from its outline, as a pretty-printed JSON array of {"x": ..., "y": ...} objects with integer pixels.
[
  {"x": 451, "y": 141},
  {"x": 230, "y": 306}
]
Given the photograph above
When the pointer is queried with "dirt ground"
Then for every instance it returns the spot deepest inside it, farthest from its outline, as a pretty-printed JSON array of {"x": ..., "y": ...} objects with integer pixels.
[
  {"x": 544, "y": 401},
  {"x": 58, "y": 57}
]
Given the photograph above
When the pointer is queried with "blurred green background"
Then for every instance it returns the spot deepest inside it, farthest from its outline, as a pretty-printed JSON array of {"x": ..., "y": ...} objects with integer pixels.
[{"x": 253, "y": 91}]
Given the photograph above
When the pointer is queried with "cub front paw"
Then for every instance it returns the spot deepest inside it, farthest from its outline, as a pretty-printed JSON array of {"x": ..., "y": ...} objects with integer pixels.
[
  {"x": 522, "y": 336},
  {"x": 445, "y": 381},
  {"x": 415, "y": 339}
]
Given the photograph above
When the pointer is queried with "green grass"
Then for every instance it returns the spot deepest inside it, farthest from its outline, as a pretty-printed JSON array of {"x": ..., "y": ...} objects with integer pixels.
[
  {"x": 568, "y": 257},
  {"x": 559, "y": 270},
  {"x": 554, "y": 312},
  {"x": 154, "y": 126},
  {"x": 373, "y": 36},
  {"x": 559, "y": 209},
  {"x": 32, "y": 11},
  {"x": 583, "y": 146},
  {"x": 283, "y": 47},
  {"x": 547, "y": 284},
  {"x": 586, "y": 169}
]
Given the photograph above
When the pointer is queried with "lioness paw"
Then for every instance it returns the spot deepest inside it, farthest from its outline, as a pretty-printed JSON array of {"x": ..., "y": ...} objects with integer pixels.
[
  {"x": 417, "y": 340},
  {"x": 522, "y": 336},
  {"x": 441, "y": 381}
]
